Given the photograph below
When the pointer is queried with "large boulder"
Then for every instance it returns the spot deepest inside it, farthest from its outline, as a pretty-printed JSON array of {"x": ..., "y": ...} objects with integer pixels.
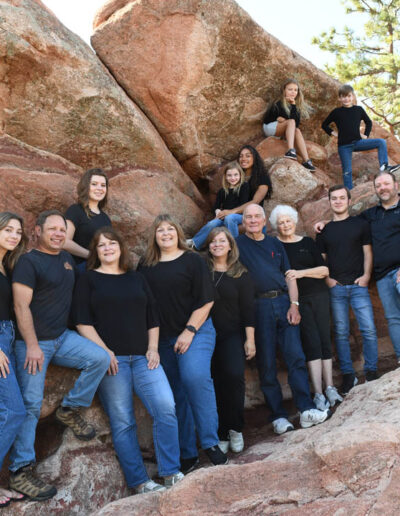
[
  {"x": 57, "y": 96},
  {"x": 203, "y": 72}
]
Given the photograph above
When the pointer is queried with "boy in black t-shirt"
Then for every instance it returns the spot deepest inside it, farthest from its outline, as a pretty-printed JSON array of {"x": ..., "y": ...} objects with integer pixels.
[
  {"x": 347, "y": 119},
  {"x": 346, "y": 244}
]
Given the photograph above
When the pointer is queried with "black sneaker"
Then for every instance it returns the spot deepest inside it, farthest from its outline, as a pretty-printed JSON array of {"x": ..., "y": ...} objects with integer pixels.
[
  {"x": 391, "y": 168},
  {"x": 308, "y": 165},
  {"x": 216, "y": 456},
  {"x": 291, "y": 154},
  {"x": 349, "y": 381},
  {"x": 370, "y": 376},
  {"x": 188, "y": 465},
  {"x": 25, "y": 482}
]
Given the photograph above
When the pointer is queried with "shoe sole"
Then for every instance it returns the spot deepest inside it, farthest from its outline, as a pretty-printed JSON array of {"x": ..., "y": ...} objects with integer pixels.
[
  {"x": 42, "y": 498},
  {"x": 291, "y": 157},
  {"x": 237, "y": 450},
  {"x": 288, "y": 429},
  {"x": 309, "y": 424}
]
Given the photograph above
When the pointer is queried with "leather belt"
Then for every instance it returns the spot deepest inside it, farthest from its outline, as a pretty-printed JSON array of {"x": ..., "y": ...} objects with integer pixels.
[{"x": 270, "y": 294}]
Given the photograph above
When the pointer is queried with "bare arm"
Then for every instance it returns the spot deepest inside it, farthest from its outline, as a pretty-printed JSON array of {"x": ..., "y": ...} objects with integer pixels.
[
  {"x": 319, "y": 272},
  {"x": 293, "y": 315},
  {"x": 197, "y": 318},
  {"x": 71, "y": 246},
  {"x": 363, "y": 280},
  {"x": 22, "y": 299},
  {"x": 90, "y": 332},
  {"x": 249, "y": 345},
  {"x": 152, "y": 355}
]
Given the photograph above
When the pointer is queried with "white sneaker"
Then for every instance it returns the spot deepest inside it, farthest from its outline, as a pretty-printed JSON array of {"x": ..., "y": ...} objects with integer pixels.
[
  {"x": 313, "y": 417},
  {"x": 171, "y": 480},
  {"x": 236, "y": 441},
  {"x": 333, "y": 396},
  {"x": 224, "y": 446},
  {"x": 282, "y": 425},
  {"x": 320, "y": 401},
  {"x": 150, "y": 487}
]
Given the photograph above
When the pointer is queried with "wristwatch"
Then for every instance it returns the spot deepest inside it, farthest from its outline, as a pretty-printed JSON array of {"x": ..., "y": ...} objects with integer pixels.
[
  {"x": 191, "y": 328},
  {"x": 295, "y": 303}
]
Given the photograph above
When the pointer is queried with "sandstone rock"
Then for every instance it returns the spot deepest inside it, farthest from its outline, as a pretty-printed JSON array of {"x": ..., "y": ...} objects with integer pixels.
[
  {"x": 348, "y": 464},
  {"x": 205, "y": 99},
  {"x": 275, "y": 147},
  {"x": 57, "y": 96}
]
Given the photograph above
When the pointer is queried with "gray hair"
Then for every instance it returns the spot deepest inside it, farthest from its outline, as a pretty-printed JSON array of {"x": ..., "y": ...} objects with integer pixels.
[
  {"x": 260, "y": 209},
  {"x": 282, "y": 209}
]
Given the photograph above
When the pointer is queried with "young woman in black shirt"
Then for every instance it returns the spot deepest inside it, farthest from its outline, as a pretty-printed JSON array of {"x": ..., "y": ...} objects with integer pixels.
[
  {"x": 114, "y": 307},
  {"x": 234, "y": 321},
  {"x": 282, "y": 119},
  {"x": 12, "y": 410},
  {"x": 87, "y": 216},
  {"x": 309, "y": 269},
  {"x": 260, "y": 185},
  {"x": 182, "y": 286}
]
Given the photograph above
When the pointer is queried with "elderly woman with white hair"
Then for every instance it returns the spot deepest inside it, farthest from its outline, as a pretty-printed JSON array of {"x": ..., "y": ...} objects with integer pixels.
[{"x": 309, "y": 269}]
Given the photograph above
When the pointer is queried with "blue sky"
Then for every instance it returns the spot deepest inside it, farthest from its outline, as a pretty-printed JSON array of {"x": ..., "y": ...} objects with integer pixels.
[{"x": 294, "y": 22}]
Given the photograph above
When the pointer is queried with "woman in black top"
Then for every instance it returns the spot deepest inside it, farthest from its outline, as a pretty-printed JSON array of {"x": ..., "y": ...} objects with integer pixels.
[
  {"x": 283, "y": 119},
  {"x": 12, "y": 410},
  {"x": 233, "y": 318},
  {"x": 182, "y": 286},
  {"x": 260, "y": 185},
  {"x": 87, "y": 216},
  {"x": 114, "y": 307},
  {"x": 309, "y": 269}
]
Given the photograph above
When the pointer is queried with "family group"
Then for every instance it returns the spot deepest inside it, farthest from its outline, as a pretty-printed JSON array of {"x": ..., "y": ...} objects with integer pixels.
[{"x": 178, "y": 330}]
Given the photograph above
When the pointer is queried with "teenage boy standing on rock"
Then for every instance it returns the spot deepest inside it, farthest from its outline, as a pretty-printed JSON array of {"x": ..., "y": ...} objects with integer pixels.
[{"x": 43, "y": 281}]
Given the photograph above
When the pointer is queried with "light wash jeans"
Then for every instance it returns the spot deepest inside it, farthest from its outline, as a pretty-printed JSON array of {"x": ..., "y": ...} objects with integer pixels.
[
  {"x": 346, "y": 151},
  {"x": 232, "y": 222},
  {"x": 67, "y": 350},
  {"x": 12, "y": 410},
  {"x": 342, "y": 297},
  {"x": 390, "y": 297},
  {"x": 190, "y": 378},
  {"x": 152, "y": 387}
]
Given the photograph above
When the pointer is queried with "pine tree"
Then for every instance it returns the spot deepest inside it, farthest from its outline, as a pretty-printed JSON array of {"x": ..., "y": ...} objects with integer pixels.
[{"x": 370, "y": 62}]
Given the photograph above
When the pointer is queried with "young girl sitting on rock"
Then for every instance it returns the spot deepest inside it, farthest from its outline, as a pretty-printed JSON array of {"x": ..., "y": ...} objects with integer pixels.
[
  {"x": 282, "y": 119},
  {"x": 234, "y": 193}
]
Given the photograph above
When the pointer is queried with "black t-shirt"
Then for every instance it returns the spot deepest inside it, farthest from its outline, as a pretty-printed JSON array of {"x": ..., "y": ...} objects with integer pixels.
[
  {"x": 5, "y": 298},
  {"x": 306, "y": 255},
  {"x": 385, "y": 231},
  {"x": 179, "y": 287},
  {"x": 233, "y": 309},
  {"x": 52, "y": 278},
  {"x": 266, "y": 261},
  {"x": 347, "y": 121},
  {"x": 276, "y": 110},
  {"x": 85, "y": 227},
  {"x": 121, "y": 308},
  {"x": 233, "y": 199},
  {"x": 343, "y": 242},
  {"x": 255, "y": 183}
]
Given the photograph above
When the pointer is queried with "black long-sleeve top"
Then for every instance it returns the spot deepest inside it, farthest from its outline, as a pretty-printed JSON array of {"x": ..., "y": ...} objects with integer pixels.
[
  {"x": 233, "y": 199},
  {"x": 276, "y": 110},
  {"x": 233, "y": 309},
  {"x": 347, "y": 120}
]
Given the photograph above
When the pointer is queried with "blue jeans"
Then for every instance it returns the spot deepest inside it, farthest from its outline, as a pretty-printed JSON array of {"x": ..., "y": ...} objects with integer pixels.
[
  {"x": 12, "y": 410},
  {"x": 67, "y": 350},
  {"x": 230, "y": 221},
  {"x": 342, "y": 297},
  {"x": 273, "y": 330},
  {"x": 152, "y": 387},
  {"x": 190, "y": 378},
  {"x": 391, "y": 304},
  {"x": 345, "y": 153}
]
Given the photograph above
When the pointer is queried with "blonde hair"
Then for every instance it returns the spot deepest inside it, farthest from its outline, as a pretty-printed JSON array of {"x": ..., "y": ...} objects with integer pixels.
[
  {"x": 233, "y": 165},
  {"x": 234, "y": 267},
  {"x": 11, "y": 257},
  {"x": 153, "y": 253},
  {"x": 302, "y": 107}
]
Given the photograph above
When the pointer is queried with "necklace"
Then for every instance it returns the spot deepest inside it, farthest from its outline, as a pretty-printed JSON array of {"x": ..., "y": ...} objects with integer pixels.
[{"x": 219, "y": 279}]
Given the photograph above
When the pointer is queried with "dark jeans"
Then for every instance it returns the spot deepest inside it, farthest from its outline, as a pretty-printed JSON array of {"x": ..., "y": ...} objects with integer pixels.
[
  {"x": 315, "y": 326},
  {"x": 273, "y": 331},
  {"x": 228, "y": 374}
]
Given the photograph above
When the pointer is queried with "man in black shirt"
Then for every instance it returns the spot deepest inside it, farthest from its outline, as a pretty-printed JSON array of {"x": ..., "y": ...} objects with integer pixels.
[
  {"x": 43, "y": 282},
  {"x": 346, "y": 244},
  {"x": 277, "y": 319}
]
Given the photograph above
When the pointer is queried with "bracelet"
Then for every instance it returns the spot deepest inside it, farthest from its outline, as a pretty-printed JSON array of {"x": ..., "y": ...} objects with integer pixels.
[
  {"x": 295, "y": 303},
  {"x": 191, "y": 328}
]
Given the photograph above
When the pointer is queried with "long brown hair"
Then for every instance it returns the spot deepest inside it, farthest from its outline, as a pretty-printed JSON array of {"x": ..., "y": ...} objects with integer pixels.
[
  {"x": 233, "y": 165},
  {"x": 84, "y": 186},
  {"x": 11, "y": 257},
  {"x": 153, "y": 253},
  {"x": 302, "y": 107},
  {"x": 93, "y": 262},
  {"x": 235, "y": 267}
]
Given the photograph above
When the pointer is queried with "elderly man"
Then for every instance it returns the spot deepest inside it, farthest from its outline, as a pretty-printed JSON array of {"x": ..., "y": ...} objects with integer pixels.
[{"x": 277, "y": 319}]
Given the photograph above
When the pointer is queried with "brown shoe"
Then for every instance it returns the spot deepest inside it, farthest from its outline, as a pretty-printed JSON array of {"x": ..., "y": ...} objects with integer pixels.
[
  {"x": 25, "y": 482},
  {"x": 76, "y": 423}
]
